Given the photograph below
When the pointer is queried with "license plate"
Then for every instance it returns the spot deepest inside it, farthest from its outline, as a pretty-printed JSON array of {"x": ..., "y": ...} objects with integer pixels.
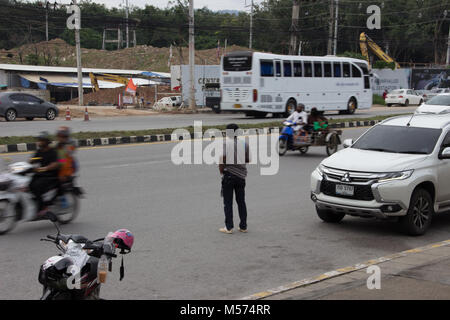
[
  {"x": 238, "y": 106},
  {"x": 345, "y": 190}
]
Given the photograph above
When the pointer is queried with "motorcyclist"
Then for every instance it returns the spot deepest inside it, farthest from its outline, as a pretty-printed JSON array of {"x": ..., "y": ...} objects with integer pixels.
[
  {"x": 46, "y": 175},
  {"x": 299, "y": 117},
  {"x": 65, "y": 149}
]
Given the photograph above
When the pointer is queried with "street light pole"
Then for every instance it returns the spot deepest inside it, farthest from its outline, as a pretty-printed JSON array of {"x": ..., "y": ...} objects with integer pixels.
[{"x": 336, "y": 27}]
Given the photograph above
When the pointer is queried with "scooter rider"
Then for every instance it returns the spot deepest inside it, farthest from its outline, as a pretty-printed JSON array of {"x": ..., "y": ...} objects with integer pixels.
[
  {"x": 46, "y": 176},
  {"x": 299, "y": 117}
]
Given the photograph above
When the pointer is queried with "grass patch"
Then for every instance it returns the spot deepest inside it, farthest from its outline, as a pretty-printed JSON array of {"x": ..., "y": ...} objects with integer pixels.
[
  {"x": 112, "y": 134},
  {"x": 378, "y": 100}
]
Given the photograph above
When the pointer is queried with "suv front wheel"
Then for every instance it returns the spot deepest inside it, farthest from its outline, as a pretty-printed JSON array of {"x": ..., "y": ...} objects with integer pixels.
[{"x": 420, "y": 213}]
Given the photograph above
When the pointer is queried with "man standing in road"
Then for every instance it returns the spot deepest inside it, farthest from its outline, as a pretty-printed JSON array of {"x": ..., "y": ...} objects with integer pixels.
[{"x": 233, "y": 169}]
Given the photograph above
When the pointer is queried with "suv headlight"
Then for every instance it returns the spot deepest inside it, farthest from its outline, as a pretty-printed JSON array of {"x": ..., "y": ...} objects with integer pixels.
[
  {"x": 401, "y": 175},
  {"x": 319, "y": 169}
]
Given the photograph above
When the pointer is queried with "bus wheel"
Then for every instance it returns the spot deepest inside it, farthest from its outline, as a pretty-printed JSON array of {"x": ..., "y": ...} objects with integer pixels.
[
  {"x": 351, "y": 106},
  {"x": 290, "y": 108}
]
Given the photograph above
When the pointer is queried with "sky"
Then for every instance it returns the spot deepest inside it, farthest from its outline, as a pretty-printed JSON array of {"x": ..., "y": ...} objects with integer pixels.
[{"x": 210, "y": 4}]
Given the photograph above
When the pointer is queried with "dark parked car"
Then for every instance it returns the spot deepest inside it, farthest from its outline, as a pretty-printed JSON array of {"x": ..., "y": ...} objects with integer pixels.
[{"x": 23, "y": 105}]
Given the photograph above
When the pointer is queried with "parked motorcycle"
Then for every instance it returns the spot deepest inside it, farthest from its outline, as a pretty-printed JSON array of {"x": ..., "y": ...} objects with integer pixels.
[
  {"x": 18, "y": 204},
  {"x": 82, "y": 266}
]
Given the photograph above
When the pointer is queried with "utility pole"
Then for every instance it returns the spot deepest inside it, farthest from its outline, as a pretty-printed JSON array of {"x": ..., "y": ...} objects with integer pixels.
[
  {"x": 46, "y": 20},
  {"x": 78, "y": 46},
  {"x": 336, "y": 27},
  {"x": 447, "y": 61},
  {"x": 192, "y": 105},
  {"x": 294, "y": 26},
  {"x": 250, "y": 42},
  {"x": 126, "y": 17},
  {"x": 330, "y": 30}
]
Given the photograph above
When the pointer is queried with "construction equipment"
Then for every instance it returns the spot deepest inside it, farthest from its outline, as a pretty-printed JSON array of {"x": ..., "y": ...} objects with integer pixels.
[
  {"x": 106, "y": 77},
  {"x": 366, "y": 43}
]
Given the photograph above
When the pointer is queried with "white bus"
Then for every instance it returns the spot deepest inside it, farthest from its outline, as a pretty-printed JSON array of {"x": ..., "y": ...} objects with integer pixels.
[{"x": 259, "y": 83}]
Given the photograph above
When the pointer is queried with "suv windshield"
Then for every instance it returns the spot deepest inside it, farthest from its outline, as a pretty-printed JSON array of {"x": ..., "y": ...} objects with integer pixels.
[
  {"x": 399, "y": 139},
  {"x": 439, "y": 101}
]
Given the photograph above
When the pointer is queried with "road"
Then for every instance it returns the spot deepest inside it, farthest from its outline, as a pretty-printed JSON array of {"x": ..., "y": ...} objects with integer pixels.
[
  {"x": 175, "y": 213},
  {"x": 24, "y": 128}
]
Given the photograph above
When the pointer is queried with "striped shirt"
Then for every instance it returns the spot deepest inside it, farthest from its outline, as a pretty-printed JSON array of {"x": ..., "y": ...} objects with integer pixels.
[{"x": 236, "y": 152}]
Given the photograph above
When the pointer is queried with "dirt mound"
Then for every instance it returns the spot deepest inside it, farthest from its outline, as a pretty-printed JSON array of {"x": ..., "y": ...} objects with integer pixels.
[{"x": 57, "y": 52}]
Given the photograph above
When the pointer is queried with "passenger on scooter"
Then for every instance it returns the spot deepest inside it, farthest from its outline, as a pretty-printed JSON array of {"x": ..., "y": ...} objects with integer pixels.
[
  {"x": 316, "y": 121},
  {"x": 46, "y": 176},
  {"x": 299, "y": 117},
  {"x": 65, "y": 149}
]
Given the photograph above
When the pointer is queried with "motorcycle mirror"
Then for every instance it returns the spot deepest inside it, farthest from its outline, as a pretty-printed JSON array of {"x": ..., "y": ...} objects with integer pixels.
[{"x": 52, "y": 217}]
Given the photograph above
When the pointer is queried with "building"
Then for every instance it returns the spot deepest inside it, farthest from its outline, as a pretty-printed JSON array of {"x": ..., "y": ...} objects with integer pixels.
[{"x": 61, "y": 83}]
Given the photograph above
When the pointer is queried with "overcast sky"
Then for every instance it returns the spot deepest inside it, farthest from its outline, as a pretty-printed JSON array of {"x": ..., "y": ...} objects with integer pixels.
[{"x": 210, "y": 4}]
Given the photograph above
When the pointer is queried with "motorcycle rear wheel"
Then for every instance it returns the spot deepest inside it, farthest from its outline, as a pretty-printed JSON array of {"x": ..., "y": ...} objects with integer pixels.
[{"x": 7, "y": 217}]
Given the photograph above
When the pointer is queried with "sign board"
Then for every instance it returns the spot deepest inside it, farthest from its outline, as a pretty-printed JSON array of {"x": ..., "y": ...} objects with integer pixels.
[{"x": 427, "y": 79}]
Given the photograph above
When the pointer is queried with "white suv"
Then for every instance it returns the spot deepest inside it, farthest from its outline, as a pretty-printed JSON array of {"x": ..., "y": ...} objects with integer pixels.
[{"x": 399, "y": 168}]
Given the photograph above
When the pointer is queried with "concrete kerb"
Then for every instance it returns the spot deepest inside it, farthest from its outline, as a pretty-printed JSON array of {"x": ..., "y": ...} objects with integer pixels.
[
  {"x": 342, "y": 271},
  {"x": 92, "y": 142}
]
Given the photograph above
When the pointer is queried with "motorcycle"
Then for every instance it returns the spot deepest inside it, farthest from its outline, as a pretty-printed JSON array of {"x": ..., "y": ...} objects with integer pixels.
[
  {"x": 18, "y": 204},
  {"x": 318, "y": 136},
  {"x": 81, "y": 267},
  {"x": 287, "y": 142}
]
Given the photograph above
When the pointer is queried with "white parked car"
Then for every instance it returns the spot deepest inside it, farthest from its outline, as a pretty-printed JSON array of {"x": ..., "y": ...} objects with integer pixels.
[
  {"x": 439, "y": 104},
  {"x": 398, "y": 169},
  {"x": 434, "y": 92},
  {"x": 404, "y": 97}
]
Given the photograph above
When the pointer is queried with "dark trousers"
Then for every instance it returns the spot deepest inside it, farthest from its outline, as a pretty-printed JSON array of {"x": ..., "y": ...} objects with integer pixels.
[
  {"x": 230, "y": 184},
  {"x": 40, "y": 185}
]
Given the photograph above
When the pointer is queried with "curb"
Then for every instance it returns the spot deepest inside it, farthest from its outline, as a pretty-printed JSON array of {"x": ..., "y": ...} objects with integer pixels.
[
  {"x": 341, "y": 271},
  {"x": 26, "y": 147}
]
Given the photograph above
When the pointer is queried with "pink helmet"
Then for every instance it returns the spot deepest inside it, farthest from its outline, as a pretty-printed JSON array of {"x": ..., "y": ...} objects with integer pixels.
[{"x": 123, "y": 239}]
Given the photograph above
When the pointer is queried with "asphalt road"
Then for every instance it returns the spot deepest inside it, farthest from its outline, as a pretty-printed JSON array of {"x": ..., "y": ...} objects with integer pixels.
[
  {"x": 22, "y": 127},
  {"x": 175, "y": 213}
]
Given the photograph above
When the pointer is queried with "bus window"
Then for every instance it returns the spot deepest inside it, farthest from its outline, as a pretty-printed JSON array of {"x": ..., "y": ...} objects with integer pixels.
[
  {"x": 366, "y": 82},
  {"x": 327, "y": 70},
  {"x": 337, "y": 69},
  {"x": 287, "y": 69},
  {"x": 277, "y": 69},
  {"x": 308, "y": 68},
  {"x": 266, "y": 68},
  {"x": 346, "y": 69},
  {"x": 297, "y": 69},
  {"x": 355, "y": 72},
  {"x": 318, "y": 69}
]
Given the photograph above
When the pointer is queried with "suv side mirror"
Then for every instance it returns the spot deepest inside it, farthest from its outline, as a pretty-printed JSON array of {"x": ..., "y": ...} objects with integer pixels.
[
  {"x": 445, "y": 153},
  {"x": 348, "y": 143}
]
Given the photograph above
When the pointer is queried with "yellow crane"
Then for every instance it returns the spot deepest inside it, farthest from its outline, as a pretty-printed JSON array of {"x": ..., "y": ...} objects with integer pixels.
[
  {"x": 106, "y": 77},
  {"x": 366, "y": 43}
]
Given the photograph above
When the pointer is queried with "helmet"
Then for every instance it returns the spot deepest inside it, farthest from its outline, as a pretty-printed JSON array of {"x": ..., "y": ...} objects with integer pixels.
[
  {"x": 43, "y": 136},
  {"x": 63, "y": 132},
  {"x": 123, "y": 239}
]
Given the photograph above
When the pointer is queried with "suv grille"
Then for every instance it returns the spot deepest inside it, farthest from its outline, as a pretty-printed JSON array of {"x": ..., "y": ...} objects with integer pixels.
[{"x": 362, "y": 192}]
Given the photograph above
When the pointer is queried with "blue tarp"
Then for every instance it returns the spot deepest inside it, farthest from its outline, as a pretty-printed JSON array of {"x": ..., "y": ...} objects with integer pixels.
[
  {"x": 152, "y": 75},
  {"x": 24, "y": 82}
]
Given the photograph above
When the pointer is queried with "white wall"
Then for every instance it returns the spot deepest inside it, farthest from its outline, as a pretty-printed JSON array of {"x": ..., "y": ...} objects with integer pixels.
[
  {"x": 390, "y": 80},
  {"x": 202, "y": 74}
]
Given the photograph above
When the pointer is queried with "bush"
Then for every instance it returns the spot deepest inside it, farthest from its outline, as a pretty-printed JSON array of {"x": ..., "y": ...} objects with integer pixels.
[
  {"x": 378, "y": 100},
  {"x": 384, "y": 65}
]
